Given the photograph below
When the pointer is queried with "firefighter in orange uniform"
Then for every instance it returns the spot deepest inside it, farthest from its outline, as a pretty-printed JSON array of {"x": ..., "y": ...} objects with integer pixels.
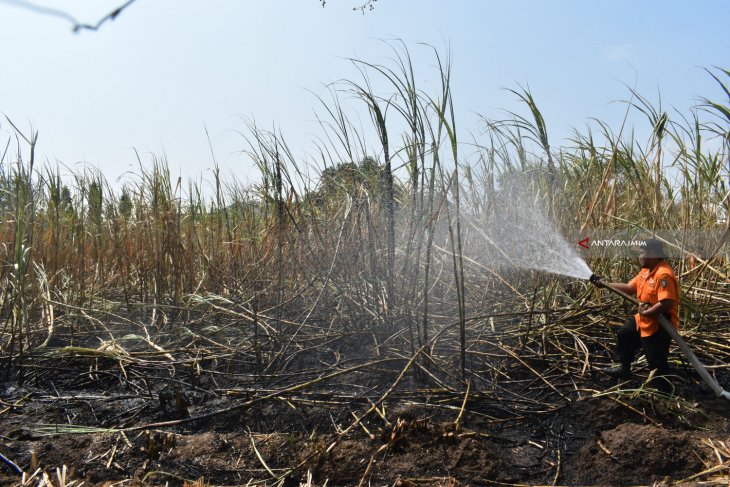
[{"x": 657, "y": 289}]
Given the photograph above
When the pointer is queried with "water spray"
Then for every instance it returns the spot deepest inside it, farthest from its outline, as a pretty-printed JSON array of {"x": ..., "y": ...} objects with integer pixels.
[{"x": 669, "y": 328}]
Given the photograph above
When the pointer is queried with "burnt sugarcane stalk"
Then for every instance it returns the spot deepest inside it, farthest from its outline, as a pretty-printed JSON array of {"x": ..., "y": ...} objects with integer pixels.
[{"x": 669, "y": 328}]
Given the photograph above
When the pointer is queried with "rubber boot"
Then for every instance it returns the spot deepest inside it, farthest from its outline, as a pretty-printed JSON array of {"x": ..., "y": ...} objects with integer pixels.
[{"x": 618, "y": 372}]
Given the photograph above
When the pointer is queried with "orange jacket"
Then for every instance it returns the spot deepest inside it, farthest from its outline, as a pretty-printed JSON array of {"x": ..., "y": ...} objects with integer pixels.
[{"x": 652, "y": 286}]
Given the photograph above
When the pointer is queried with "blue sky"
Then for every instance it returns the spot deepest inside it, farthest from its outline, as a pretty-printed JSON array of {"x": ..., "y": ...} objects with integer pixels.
[{"x": 151, "y": 79}]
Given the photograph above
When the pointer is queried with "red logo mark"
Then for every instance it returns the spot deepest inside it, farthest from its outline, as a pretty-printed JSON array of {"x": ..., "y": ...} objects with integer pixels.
[{"x": 584, "y": 243}]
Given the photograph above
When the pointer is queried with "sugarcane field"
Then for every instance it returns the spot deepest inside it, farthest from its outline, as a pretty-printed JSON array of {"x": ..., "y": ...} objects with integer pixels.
[{"x": 364, "y": 243}]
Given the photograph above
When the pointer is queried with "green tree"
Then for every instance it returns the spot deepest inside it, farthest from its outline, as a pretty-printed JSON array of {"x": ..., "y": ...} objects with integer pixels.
[
  {"x": 96, "y": 202},
  {"x": 125, "y": 204}
]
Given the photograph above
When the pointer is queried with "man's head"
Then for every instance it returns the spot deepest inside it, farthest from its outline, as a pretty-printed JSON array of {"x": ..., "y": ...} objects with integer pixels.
[{"x": 651, "y": 253}]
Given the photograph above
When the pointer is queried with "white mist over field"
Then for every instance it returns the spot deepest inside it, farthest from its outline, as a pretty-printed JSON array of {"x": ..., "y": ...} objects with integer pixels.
[{"x": 519, "y": 235}]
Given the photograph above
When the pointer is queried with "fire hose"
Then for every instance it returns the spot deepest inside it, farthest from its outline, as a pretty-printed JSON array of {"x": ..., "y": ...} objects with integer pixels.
[{"x": 672, "y": 331}]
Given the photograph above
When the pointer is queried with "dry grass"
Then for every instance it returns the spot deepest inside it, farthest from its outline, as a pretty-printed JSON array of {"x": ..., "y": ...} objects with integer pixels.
[{"x": 357, "y": 264}]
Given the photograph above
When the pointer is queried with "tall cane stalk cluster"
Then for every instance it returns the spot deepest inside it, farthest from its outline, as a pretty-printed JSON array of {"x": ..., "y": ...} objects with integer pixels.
[{"x": 367, "y": 235}]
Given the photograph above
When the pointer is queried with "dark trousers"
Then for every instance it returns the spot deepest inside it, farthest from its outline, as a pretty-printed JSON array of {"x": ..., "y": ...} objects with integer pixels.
[{"x": 655, "y": 347}]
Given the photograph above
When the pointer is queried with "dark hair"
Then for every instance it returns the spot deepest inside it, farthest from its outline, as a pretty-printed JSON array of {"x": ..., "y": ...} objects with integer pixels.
[{"x": 654, "y": 248}]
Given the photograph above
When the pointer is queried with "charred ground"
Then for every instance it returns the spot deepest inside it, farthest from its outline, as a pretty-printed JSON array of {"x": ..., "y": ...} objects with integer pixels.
[{"x": 533, "y": 410}]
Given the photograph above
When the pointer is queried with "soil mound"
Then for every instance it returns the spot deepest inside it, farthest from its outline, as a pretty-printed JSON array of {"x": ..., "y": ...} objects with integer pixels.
[{"x": 631, "y": 454}]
